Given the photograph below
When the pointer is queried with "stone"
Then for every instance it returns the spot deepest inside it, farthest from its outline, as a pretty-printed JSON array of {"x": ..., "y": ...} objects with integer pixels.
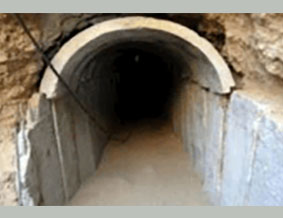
[{"x": 3, "y": 57}]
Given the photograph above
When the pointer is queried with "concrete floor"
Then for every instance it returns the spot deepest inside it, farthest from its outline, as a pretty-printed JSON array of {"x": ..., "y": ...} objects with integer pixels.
[{"x": 149, "y": 168}]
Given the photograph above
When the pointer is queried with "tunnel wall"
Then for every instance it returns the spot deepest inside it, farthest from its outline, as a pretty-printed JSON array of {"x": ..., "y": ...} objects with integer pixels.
[
  {"x": 235, "y": 144},
  {"x": 39, "y": 156},
  {"x": 199, "y": 120},
  {"x": 59, "y": 144},
  {"x": 59, "y": 148}
]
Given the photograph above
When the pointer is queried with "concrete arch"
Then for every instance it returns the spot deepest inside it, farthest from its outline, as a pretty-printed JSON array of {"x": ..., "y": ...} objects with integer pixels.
[
  {"x": 68, "y": 144},
  {"x": 206, "y": 65}
]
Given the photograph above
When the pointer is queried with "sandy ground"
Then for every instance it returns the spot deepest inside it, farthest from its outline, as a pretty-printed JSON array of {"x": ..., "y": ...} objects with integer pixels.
[{"x": 150, "y": 168}]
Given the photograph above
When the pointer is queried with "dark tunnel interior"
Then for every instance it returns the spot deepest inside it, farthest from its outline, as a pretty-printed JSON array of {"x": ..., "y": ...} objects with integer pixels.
[
  {"x": 144, "y": 85},
  {"x": 134, "y": 81},
  {"x": 141, "y": 89}
]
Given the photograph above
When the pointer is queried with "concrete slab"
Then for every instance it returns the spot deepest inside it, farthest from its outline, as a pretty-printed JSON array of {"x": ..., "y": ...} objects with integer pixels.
[
  {"x": 242, "y": 125},
  {"x": 266, "y": 187},
  {"x": 204, "y": 124},
  {"x": 84, "y": 143},
  {"x": 42, "y": 141},
  {"x": 66, "y": 140}
]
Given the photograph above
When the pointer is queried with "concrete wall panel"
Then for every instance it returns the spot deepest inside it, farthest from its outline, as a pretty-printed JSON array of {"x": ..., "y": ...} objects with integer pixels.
[
  {"x": 45, "y": 159},
  {"x": 266, "y": 187},
  {"x": 66, "y": 140},
  {"x": 202, "y": 125},
  {"x": 243, "y": 119},
  {"x": 84, "y": 143}
]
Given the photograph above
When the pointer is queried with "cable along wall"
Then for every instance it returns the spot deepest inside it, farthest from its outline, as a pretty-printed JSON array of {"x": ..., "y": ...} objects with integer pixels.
[{"x": 63, "y": 146}]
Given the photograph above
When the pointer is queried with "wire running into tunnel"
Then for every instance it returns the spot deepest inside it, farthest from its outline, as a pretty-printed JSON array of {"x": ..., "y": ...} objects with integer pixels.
[
  {"x": 124, "y": 71},
  {"x": 54, "y": 71}
]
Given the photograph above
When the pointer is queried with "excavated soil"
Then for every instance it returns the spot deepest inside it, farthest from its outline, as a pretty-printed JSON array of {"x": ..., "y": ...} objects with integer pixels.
[{"x": 148, "y": 167}]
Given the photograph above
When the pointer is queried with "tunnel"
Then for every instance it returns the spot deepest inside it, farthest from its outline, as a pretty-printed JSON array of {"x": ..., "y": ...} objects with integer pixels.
[
  {"x": 126, "y": 72},
  {"x": 135, "y": 80},
  {"x": 144, "y": 80}
]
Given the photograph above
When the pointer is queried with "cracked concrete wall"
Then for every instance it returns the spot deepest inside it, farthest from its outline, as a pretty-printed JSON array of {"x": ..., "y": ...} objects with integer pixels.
[
  {"x": 239, "y": 147},
  {"x": 265, "y": 186},
  {"x": 235, "y": 144},
  {"x": 38, "y": 156},
  {"x": 250, "y": 43},
  {"x": 58, "y": 149},
  {"x": 201, "y": 126},
  {"x": 252, "y": 150}
]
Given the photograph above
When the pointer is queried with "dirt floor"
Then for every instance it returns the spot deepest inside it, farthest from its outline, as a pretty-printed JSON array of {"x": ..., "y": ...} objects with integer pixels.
[{"x": 149, "y": 168}]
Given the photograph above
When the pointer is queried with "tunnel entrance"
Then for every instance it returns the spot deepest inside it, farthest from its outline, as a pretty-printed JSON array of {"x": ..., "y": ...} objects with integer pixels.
[
  {"x": 141, "y": 80},
  {"x": 125, "y": 71}
]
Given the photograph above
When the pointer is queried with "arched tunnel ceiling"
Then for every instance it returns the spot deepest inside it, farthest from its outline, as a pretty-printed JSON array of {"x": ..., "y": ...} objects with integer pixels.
[{"x": 206, "y": 65}]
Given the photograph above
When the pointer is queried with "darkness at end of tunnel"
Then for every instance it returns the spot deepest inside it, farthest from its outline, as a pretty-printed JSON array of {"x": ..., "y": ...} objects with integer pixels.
[
  {"x": 144, "y": 78},
  {"x": 143, "y": 87}
]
